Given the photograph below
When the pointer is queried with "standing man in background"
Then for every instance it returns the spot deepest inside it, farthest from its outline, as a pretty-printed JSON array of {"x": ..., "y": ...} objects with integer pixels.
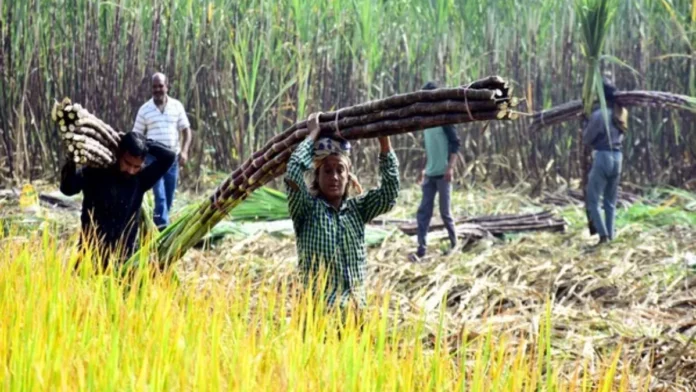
[
  {"x": 441, "y": 147},
  {"x": 607, "y": 160},
  {"x": 162, "y": 118}
]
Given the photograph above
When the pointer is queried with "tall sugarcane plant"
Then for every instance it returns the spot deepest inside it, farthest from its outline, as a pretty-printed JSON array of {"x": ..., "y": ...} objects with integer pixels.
[{"x": 595, "y": 17}]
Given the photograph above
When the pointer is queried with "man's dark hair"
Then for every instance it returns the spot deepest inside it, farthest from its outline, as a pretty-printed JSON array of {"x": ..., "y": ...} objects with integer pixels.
[
  {"x": 134, "y": 144},
  {"x": 609, "y": 90},
  {"x": 429, "y": 86}
]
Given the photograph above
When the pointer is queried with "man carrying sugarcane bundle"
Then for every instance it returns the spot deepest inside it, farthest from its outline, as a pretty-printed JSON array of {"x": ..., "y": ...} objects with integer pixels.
[
  {"x": 113, "y": 195},
  {"x": 329, "y": 221},
  {"x": 441, "y": 147},
  {"x": 606, "y": 140},
  {"x": 162, "y": 118}
]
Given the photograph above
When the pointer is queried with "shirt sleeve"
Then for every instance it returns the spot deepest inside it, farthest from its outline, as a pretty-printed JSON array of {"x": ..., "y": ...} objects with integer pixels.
[
  {"x": 182, "y": 122},
  {"x": 139, "y": 126},
  {"x": 453, "y": 141},
  {"x": 299, "y": 198},
  {"x": 164, "y": 158},
  {"x": 72, "y": 180},
  {"x": 382, "y": 199}
]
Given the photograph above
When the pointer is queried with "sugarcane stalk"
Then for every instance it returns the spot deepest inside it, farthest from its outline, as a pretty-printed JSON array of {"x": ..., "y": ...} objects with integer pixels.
[
  {"x": 382, "y": 128},
  {"x": 463, "y": 93},
  {"x": 212, "y": 215},
  {"x": 92, "y": 123},
  {"x": 360, "y": 124},
  {"x": 241, "y": 176},
  {"x": 96, "y": 150},
  {"x": 88, "y": 139},
  {"x": 482, "y": 100},
  {"x": 573, "y": 109},
  {"x": 89, "y": 132}
]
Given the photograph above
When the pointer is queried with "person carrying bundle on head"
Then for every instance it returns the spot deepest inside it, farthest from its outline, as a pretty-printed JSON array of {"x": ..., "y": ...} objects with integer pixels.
[
  {"x": 441, "y": 147},
  {"x": 113, "y": 195},
  {"x": 606, "y": 141},
  {"x": 329, "y": 221}
]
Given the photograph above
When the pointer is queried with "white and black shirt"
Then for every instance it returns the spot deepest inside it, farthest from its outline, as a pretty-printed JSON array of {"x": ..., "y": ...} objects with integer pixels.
[{"x": 162, "y": 126}]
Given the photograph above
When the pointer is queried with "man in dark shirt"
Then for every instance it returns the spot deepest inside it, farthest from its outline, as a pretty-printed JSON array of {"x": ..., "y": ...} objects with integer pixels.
[
  {"x": 606, "y": 139},
  {"x": 113, "y": 195}
]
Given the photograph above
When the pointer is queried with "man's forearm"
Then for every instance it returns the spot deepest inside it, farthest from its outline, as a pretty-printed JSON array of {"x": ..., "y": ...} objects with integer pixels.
[
  {"x": 187, "y": 140},
  {"x": 71, "y": 179},
  {"x": 452, "y": 160},
  {"x": 384, "y": 145}
]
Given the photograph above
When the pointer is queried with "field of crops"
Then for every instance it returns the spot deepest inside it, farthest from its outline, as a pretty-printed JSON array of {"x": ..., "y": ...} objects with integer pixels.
[
  {"x": 531, "y": 308},
  {"x": 529, "y": 312}
]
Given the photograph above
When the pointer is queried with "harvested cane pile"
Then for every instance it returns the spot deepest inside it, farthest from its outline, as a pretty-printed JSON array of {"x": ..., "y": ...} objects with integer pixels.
[
  {"x": 575, "y": 197},
  {"x": 497, "y": 225},
  {"x": 573, "y": 109},
  {"x": 87, "y": 139},
  {"x": 483, "y": 100}
]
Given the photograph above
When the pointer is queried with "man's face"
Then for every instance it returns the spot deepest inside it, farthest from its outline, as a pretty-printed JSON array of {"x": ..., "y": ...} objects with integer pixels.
[
  {"x": 130, "y": 165},
  {"x": 333, "y": 178},
  {"x": 159, "y": 89}
]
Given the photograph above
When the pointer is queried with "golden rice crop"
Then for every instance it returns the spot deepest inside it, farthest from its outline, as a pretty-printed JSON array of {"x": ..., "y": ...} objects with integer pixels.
[{"x": 77, "y": 330}]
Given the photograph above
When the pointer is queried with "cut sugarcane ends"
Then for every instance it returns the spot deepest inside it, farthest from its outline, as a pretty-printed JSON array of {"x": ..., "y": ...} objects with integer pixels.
[{"x": 87, "y": 139}]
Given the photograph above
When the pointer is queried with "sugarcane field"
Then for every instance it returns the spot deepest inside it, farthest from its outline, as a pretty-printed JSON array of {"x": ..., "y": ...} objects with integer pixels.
[{"x": 333, "y": 195}]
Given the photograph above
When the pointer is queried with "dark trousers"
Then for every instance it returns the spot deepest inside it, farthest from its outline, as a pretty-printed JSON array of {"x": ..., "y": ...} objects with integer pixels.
[
  {"x": 432, "y": 186},
  {"x": 603, "y": 182},
  {"x": 163, "y": 192}
]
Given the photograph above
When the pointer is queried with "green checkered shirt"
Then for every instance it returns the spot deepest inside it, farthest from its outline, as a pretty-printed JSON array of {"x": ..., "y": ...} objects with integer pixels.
[{"x": 334, "y": 240}]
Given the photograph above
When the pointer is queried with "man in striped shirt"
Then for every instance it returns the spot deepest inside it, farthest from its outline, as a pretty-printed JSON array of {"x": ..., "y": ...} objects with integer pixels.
[{"x": 162, "y": 118}]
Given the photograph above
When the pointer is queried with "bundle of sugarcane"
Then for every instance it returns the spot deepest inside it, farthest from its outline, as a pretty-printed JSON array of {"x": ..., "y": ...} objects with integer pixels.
[
  {"x": 500, "y": 224},
  {"x": 87, "y": 139},
  {"x": 482, "y": 100},
  {"x": 574, "y": 109}
]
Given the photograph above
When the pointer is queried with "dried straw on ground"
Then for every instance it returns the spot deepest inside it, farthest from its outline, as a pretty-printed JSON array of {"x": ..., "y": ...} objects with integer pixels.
[{"x": 638, "y": 293}]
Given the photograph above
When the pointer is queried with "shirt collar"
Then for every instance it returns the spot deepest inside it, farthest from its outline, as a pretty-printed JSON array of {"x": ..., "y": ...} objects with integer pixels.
[
  {"x": 343, "y": 208},
  {"x": 166, "y": 101}
]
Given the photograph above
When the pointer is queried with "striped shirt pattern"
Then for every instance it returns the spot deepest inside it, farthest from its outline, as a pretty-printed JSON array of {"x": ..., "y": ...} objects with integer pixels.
[
  {"x": 163, "y": 127},
  {"x": 330, "y": 240}
]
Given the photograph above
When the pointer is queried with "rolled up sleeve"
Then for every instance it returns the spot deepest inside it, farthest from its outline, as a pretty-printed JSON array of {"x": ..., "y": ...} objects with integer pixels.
[{"x": 382, "y": 199}]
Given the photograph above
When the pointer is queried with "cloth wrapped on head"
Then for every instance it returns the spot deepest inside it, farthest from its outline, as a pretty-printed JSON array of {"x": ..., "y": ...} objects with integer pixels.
[{"x": 325, "y": 147}]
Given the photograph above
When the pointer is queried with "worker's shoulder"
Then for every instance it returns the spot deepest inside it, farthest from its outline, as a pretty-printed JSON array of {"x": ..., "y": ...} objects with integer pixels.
[
  {"x": 597, "y": 113},
  {"x": 438, "y": 128},
  {"x": 147, "y": 104}
]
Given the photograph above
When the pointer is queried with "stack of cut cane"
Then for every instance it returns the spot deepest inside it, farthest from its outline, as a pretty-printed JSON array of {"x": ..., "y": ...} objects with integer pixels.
[
  {"x": 87, "y": 139},
  {"x": 483, "y": 100}
]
